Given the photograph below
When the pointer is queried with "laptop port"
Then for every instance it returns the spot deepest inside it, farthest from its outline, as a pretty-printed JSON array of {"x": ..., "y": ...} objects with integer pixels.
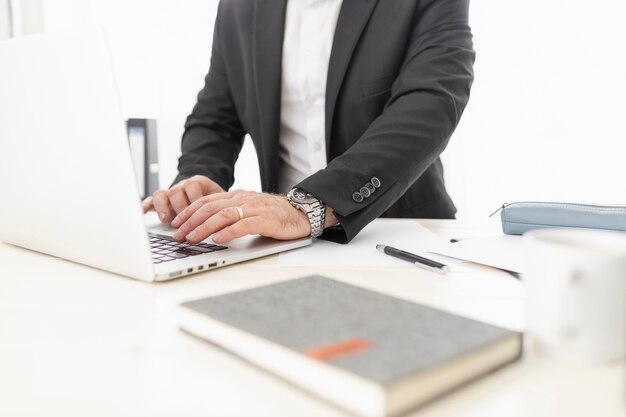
[
  {"x": 201, "y": 267},
  {"x": 189, "y": 270},
  {"x": 212, "y": 264}
]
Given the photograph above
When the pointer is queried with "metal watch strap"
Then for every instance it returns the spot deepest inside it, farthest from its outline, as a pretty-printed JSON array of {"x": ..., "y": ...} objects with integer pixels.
[{"x": 313, "y": 207}]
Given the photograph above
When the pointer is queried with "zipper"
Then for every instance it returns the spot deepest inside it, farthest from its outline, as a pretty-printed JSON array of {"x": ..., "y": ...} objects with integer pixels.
[
  {"x": 551, "y": 203},
  {"x": 505, "y": 205}
]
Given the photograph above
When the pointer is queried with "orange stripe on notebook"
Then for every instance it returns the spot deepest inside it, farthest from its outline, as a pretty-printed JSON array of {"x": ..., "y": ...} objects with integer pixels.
[{"x": 324, "y": 353}]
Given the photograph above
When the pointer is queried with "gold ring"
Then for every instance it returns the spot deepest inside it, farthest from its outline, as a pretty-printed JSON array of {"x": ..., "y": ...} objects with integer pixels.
[{"x": 240, "y": 211}]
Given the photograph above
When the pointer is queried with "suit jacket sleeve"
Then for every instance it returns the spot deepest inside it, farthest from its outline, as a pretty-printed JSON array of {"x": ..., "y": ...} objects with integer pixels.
[
  {"x": 426, "y": 102},
  {"x": 213, "y": 134}
]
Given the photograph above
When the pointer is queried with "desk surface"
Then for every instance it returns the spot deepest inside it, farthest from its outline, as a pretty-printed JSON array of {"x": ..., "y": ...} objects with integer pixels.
[{"x": 75, "y": 341}]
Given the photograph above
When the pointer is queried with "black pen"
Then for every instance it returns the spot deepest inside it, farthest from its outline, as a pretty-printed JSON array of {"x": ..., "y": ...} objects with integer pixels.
[{"x": 417, "y": 260}]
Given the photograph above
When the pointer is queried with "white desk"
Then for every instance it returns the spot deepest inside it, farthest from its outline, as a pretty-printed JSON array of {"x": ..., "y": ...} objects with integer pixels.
[{"x": 75, "y": 341}]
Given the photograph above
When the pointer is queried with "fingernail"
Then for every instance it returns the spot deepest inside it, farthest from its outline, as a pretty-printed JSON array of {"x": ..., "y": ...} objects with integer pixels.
[
  {"x": 175, "y": 222},
  {"x": 217, "y": 238},
  {"x": 161, "y": 216},
  {"x": 192, "y": 236}
]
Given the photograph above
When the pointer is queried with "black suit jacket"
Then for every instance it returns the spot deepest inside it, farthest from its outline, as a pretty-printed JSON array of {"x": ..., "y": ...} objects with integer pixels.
[{"x": 399, "y": 78}]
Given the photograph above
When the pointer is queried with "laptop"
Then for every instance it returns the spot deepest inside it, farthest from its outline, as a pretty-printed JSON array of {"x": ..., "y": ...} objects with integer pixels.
[{"x": 67, "y": 185}]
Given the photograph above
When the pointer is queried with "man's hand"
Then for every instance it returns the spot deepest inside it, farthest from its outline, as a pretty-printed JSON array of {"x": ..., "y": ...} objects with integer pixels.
[
  {"x": 263, "y": 214},
  {"x": 169, "y": 203}
]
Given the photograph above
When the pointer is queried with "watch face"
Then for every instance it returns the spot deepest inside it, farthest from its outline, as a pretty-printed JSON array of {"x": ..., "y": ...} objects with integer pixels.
[{"x": 301, "y": 196}]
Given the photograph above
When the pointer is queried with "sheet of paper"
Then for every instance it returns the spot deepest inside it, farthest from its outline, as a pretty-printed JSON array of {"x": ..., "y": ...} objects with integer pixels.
[
  {"x": 405, "y": 234},
  {"x": 503, "y": 251}
]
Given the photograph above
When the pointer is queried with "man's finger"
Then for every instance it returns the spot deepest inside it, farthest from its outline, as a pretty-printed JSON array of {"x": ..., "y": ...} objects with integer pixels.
[
  {"x": 184, "y": 215},
  {"x": 193, "y": 190},
  {"x": 208, "y": 186},
  {"x": 223, "y": 218},
  {"x": 146, "y": 205},
  {"x": 247, "y": 226},
  {"x": 178, "y": 199},
  {"x": 161, "y": 204},
  {"x": 198, "y": 215}
]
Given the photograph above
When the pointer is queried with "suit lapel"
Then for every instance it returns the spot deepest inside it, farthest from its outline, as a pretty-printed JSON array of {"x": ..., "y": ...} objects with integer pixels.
[
  {"x": 269, "y": 25},
  {"x": 353, "y": 18}
]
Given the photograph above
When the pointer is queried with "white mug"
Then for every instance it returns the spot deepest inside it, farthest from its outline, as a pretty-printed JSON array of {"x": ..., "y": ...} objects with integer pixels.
[{"x": 575, "y": 283}]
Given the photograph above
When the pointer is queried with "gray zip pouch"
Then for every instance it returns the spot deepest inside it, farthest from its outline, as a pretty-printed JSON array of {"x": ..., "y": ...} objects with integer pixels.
[{"x": 518, "y": 218}]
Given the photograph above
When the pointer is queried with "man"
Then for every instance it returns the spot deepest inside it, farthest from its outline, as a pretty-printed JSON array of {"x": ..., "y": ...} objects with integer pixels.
[{"x": 349, "y": 105}]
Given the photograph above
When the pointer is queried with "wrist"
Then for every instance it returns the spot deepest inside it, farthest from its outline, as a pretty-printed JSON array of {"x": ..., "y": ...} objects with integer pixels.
[
  {"x": 312, "y": 207},
  {"x": 331, "y": 220}
]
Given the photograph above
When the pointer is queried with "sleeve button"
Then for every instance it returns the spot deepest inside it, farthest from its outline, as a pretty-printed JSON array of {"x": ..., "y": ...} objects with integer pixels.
[
  {"x": 375, "y": 182},
  {"x": 370, "y": 187},
  {"x": 357, "y": 197},
  {"x": 365, "y": 192}
]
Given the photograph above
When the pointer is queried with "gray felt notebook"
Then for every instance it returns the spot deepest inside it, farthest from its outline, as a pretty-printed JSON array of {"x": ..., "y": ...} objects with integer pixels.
[{"x": 368, "y": 353}]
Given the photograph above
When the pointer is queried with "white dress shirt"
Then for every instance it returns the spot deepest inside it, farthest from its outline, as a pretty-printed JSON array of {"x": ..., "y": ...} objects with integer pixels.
[{"x": 308, "y": 39}]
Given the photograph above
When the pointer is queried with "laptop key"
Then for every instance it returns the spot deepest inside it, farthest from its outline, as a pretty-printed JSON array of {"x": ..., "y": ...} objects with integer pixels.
[
  {"x": 205, "y": 245},
  {"x": 161, "y": 245},
  {"x": 188, "y": 252},
  {"x": 166, "y": 249},
  {"x": 201, "y": 249}
]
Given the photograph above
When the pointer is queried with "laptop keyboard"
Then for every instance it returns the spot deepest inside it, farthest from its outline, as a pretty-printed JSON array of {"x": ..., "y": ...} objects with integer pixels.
[{"x": 165, "y": 248}]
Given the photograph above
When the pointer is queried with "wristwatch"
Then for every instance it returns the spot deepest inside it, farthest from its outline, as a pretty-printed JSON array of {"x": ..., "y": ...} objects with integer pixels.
[{"x": 311, "y": 206}]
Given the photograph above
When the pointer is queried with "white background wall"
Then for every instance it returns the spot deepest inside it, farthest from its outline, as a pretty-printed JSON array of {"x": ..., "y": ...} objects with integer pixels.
[
  {"x": 546, "y": 117},
  {"x": 545, "y": 121},
  {"x": 4, "y": 19}
]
